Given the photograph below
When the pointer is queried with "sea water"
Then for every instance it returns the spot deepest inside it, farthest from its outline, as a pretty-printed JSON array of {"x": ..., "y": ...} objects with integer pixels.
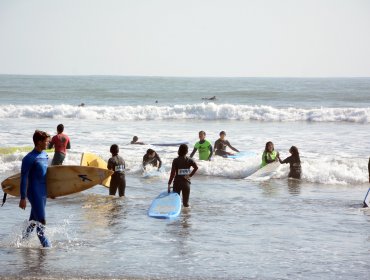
[{"x": 266, "y": 228}]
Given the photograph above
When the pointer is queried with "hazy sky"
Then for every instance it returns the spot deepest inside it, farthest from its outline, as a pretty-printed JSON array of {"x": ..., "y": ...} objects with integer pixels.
[{"x": 246, "y": 38}]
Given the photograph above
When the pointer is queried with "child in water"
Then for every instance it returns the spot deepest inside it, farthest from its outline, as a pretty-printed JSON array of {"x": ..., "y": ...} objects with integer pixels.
[
  {"x": 269, "y": 155},
  {"x": 180, "y": 171},
  {"x": 151, "y": 157},
  {"x": 117, "y": 164},
  {"x": 294, "y": 161},
  {"x": 204, "y": 147}
]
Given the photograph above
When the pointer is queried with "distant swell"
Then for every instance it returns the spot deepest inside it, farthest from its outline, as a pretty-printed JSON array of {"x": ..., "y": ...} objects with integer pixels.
[{"x": 202, "y": 111}]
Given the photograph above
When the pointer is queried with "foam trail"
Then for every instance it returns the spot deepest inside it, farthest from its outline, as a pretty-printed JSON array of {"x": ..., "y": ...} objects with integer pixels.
[{"x": 209, "y": 111}]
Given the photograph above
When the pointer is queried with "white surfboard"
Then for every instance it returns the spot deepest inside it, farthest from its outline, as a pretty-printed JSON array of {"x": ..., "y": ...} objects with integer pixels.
[
  {"x": 367, "y": 198},
  {"x": 62, "y": 180},
  {"x": 267, "y": 170}
]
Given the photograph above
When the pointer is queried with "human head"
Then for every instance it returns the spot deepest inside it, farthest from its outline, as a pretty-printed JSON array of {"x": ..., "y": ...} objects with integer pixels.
[
  {"x": 60, "y": 128},
  {"x": 41, "y": 139},
  {"x": 114, "y": 149},
  {"x": 150, "y": 153},
  {"x": 294, "y": 151},
  {"x": 222, "y": 134},
  {"x": 183, "y": 150},
  {"x": 135, "y": 138},
  {"x": 202, "y": 135},
  {"x": 269, "y": 147}
]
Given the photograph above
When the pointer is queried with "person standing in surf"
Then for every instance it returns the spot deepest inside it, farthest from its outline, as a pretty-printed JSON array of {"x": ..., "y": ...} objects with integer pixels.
[
  {"x": 61, "y": 143},
  {"x": 204, "y": 147},
  {"x": 269, "y": 155},
  {"x": 181, "y": 174},
  {"x": 294, "y": 162},
  {"x": 221, "y": 144},
  {"x": 33, "y": 186},
  {"x": 117, "y": 164},
  {"x": 151, "y": 157}
]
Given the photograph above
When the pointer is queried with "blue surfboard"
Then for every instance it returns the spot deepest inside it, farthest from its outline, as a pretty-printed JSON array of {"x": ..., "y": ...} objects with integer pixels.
[
  {"x": 165, "y": 206},
  {"x": 243, "y": 154},
  {"x": 165, "y": 144}
]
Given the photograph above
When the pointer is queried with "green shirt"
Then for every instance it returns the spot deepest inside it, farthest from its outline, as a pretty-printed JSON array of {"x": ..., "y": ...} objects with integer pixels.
[
  {"x": 204, "y": 149},
  {"x": 270, "y": 156}
]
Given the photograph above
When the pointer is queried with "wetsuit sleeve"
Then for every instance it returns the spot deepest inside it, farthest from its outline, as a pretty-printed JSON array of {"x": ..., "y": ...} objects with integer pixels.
[
  {"x": 145, "y": 161},
  {"x": 195, "y": 168},
  {"x": 159, "y": 160},
  {"x": 68, "y": 144},
  {"x": 51, "y": 143},
  {"x": 287, "y": 160},
  {"x": 110, "y": 165},
  {"x": 231, "y": 147},
  {"x": 193, "y": 152},
  {"x": 173, "y": 172},
  {"x": 25, "y": 169},
  {"x": 210, "y": 151}
]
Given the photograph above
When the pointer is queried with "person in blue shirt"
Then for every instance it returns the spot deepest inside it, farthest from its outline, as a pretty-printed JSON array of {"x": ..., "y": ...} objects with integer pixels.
[{"x": 33, "y": 186}]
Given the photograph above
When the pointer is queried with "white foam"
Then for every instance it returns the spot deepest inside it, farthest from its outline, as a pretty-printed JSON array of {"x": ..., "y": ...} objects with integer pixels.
[{"x": 209, "y": 111}]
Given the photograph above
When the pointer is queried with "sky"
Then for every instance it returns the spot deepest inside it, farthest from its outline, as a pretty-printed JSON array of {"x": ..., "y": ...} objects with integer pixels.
[{"x": 193, "y": 38}]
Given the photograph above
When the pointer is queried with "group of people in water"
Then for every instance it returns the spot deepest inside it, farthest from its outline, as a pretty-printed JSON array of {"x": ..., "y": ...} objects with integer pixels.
[{"x": 35, "y": 163}]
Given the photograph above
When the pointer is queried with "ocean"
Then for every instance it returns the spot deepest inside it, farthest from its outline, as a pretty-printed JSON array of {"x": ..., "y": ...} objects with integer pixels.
[{"x": 236, "y": 228}]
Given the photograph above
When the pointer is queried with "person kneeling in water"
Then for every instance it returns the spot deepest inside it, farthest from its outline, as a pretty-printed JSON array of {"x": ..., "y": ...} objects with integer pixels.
[
  {"x": 221, "y": 144},
  {"x": 294, "y": 161},
  {"x": 181, "y": 172},
  {"x": 152, "y": 158}
]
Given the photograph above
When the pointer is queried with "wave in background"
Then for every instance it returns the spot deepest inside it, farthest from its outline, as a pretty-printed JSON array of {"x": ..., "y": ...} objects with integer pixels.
[{"x": 204, "y": 111}]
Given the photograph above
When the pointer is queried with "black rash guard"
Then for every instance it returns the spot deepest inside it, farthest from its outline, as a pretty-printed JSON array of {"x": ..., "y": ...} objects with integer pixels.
[
  {"x": 295, "y": 167},
  {"x": 153, "y": 161}
]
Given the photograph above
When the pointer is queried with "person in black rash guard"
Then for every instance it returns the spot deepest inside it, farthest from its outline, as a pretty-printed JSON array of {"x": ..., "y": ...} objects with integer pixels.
[
  {"x": 180, "y": 171},
  {"x": 152, "y": 158},
  {"x": 221, "y": 144},
  {"x": 117, "y": 164},
  {"x": 135, "y": 140},
  {"x": 295, "y": 163}
]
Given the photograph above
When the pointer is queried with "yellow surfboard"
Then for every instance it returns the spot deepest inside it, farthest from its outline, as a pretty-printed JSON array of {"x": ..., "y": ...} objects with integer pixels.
[
  {"x": 62, "y": 180},
  {"x": 20, "y": 149},
  {"x": 90, "y": 159}
]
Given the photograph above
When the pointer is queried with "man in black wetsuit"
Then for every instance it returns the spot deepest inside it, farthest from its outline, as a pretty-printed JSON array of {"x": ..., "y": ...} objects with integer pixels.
[
  {"x": 152, "y": 158},
  {"x": 221, "y": 144}
]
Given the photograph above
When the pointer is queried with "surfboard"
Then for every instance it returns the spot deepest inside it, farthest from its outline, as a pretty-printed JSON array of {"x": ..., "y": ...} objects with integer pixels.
[
  {"x": 62, "y": 180},
  {"x": 267, "y": 170},
  {"x": 164, "y": 144},
  {"x": 20, "y": 149},
  {"x": 367, "y": 198},
  {"x": 90, "y": 159},
  {"x": 165, "y": 206},
  {"x": 242, "y": 154}
]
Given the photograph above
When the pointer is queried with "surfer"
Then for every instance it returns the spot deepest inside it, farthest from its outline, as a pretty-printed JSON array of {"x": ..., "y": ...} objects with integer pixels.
[
  {"x": 151, "y": 157},
  {"x": 269, "y": 155},
  {"x": 209, "y": 98},
  {"x": 204, "y": 147},
  {"x": 294, "y": 162},
  {"x": 33, "y": 185},
  {"x": 180, "y": 171},
  {"x": 135, "y": 140},
  {"x": 221, "y": 144},
  {"x": 117, "y": 164},
  {"x": 61, "y": 142}
]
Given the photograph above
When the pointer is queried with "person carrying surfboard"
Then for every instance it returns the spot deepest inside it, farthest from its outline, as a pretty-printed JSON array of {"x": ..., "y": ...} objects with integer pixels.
[
  {"x": 151, "y": 157},
  {"x": 61, "y": 142},
  {"x": 221, "y": 144},
  {"x": 294, "y": 162},
  {"x": 33, "y": 186},
  {"x": 118, "y": 179},
  {"x": 204, "y": 147},
  {"x": 269, "y": 155},
  {"x": 181, "y": 174}
]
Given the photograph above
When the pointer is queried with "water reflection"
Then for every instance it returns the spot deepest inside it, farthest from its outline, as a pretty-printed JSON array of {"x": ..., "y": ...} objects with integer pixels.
[
  {"x": 34, "y": 261},
  {"x": 180, "y": 231},
  {"x": 294, "y": 186}
]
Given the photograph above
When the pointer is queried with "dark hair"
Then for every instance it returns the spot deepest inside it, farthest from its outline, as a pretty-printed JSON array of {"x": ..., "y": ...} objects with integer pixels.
[
  {"x": 203, "y": 132},
  {"x": 135, "y": 138},
  {"x": 114, "y": 149},
  {"x": 183, "y": 150},
  {"x": 269, "y": 142},
  {"x": 295, "y": 153},
  {"x": 222, "y": 132},
  {"x": 39, "y": 136},
  {"x": 60, "y": 128},
  {"x": 150, "y": 151}
]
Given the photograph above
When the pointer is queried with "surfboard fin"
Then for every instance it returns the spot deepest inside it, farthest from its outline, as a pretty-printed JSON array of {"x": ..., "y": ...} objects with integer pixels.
[{"x": 4, "y": 199}]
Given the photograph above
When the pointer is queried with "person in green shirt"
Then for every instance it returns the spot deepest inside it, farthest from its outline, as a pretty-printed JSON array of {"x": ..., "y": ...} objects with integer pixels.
[
  {"x": 204, "y": 147},
  {"x": 269, "y": 155}
]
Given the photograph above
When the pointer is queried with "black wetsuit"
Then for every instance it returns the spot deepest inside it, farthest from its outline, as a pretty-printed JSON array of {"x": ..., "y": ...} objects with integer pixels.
[
  {"x": 295, "y": 167},
  {"x": 118, "y": 181},
  {"x": 220, "y": 147},
  {"x": 181, "y": 168},
  {"x": 153, "y": 161}
]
